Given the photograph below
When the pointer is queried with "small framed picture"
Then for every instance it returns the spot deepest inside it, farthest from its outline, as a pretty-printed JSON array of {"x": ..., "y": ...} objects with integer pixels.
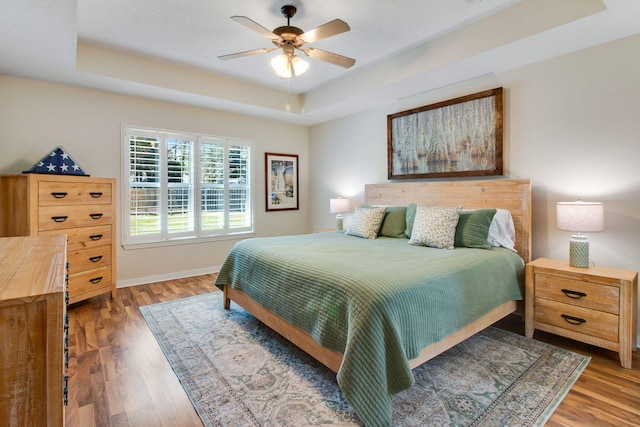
[{"x": 281, "y": 178}]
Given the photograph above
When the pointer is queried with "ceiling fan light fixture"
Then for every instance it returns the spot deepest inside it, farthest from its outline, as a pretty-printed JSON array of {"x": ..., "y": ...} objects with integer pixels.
[
  {"x": 287, "y": 66},
  {"x": 299, "y": 65},
  {"x": 290, "y": 38}
]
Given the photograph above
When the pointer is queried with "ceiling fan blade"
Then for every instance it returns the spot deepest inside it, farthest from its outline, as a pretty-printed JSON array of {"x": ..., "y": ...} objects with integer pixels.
[
  {"x": 337, "y": 26},
  {"x": 253, "y": 25},
  {"x": 333, "y": 58},
  {"x": 246, "y": 53}
]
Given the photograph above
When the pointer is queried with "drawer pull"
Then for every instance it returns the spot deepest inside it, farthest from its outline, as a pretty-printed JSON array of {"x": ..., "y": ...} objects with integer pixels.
[
  {"x": 96, "y": 280},
  {"x": 96, "y": 215},
  {"x": 59, "y": 194},
  {"x": 65, "y": 390},
  {"x": 61, "y": 218},
  {"x": 96, "y": 194},
  {"x": 95, "y": 258},
  {"x": 573, "y": 294},
  {"x": 96, "y": 237},
  {"x": 573, "y": 320}
]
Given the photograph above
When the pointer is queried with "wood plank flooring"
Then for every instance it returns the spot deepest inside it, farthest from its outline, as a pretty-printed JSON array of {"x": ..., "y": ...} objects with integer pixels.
[{"x": 118, "y": 375}]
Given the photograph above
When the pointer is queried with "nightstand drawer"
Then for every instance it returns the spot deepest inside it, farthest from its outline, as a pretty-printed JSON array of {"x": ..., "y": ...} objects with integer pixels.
[
  {"x": 578, "y": 319},
  {"x": 579, "y": 293}
]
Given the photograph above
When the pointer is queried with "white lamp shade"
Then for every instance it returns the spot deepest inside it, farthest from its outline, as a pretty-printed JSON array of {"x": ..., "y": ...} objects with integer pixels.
[
  {"x": 339, "y": 205},
  {"x": 283, "y": 65},
  {"x": 583, "y": 217}
]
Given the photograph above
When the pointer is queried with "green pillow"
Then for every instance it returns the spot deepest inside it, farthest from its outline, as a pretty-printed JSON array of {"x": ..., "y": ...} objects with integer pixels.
[
  {"x": 473, "y": 228},
  {"x": 411, "y": 216},
  {"x": 394, "y": 222}
]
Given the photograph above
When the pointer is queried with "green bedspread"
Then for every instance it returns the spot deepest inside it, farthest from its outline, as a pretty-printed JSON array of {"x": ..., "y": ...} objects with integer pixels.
[{"x": 378, "y": 302}]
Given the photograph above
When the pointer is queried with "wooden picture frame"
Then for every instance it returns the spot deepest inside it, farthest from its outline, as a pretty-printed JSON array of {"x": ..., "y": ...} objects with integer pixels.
[
  {"x": 456, "y": 138},
  {"x": 281, "y": 177}
]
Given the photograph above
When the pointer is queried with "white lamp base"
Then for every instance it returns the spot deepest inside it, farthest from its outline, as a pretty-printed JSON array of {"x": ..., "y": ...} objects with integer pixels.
[
  {"x": 339, "y": 222},
  {"x": 579, "y": 251}
]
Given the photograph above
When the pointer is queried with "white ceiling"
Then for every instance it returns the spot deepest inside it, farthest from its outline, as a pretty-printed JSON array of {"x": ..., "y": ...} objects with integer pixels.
[{"x": 168, "y": 49}]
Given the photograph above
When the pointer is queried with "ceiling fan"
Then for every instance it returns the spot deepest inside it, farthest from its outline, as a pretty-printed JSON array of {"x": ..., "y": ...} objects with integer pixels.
[{"x": 290, "y": 39}]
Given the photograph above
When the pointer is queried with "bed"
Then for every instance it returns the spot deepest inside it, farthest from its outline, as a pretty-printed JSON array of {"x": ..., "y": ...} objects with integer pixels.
[{"x": 373, "y": 309}]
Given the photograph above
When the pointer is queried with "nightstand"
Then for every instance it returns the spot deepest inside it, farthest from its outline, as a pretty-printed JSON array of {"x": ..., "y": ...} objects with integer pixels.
[{"x": 595, "y": 305}]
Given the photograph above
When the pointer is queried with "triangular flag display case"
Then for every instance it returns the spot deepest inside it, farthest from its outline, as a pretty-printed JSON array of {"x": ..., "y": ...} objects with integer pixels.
[{"x": 57, "y": 162}]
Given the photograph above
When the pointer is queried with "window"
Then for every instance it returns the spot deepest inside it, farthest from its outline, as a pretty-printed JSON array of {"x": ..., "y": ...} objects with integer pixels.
[{"x": 179, "y": 187}]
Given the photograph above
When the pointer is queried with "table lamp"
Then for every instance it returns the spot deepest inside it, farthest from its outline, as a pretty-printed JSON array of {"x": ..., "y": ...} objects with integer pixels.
[
  {"x": 339, "y": 206},
  {"x": 582, "y": 217}
]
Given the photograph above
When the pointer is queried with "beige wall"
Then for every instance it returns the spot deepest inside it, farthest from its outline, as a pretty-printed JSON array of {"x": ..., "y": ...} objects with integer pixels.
[
  {"x": 572, "y": 127},
  {"x": 36, "y": 117}
]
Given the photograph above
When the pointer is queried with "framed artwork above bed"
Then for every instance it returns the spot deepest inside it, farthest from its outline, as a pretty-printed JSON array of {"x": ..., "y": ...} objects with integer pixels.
[
  {"x": 281, "y": 179},
  {"x": 454, "y": 138}
]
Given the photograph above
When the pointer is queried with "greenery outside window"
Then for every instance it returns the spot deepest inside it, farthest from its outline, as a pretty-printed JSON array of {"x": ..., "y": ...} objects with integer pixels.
[{"x": 180, "y": 187}]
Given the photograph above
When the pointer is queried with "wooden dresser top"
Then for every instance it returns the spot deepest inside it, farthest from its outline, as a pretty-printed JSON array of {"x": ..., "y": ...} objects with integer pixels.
[{"x": 31, "y": 266}]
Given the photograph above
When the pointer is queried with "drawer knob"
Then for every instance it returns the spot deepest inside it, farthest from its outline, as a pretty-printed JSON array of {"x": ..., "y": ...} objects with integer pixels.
[
  {"x": 61, "y": 218},
  {"x": 95, "y": 236},
  {"x": 59, "y": 194},
  {"x": 573, "y": 320},
  {"x": 65, "y": 389},
  {"x": 96, "y": 194},
  {"x": 573, "y": 294},
  {"x": 96, "y": 280},
  {"x": 96, "y": 215},
  {"x": 95, "y": 258}
]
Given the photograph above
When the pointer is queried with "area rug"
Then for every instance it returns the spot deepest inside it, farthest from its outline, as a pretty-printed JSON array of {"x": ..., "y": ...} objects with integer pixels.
[{"x": 238, "y": 372}]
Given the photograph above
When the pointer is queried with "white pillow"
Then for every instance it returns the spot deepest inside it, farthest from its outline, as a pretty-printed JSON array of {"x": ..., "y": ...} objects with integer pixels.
[
  {"x": 502, "y": 232},
  {"x": 435, "y": 227},
  {"x": 366, "y": 222}
]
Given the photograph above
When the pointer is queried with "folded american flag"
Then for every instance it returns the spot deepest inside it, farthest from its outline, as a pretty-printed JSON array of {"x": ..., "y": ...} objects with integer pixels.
[{"x": 57, "y": 162}]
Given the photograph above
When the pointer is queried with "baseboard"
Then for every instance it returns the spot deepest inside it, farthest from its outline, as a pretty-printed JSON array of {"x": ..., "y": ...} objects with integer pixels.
[{"x": 167, "y": 276}]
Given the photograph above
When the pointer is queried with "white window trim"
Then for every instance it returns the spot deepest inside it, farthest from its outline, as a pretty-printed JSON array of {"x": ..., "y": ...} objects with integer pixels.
[{"x": 189, "y": 239}]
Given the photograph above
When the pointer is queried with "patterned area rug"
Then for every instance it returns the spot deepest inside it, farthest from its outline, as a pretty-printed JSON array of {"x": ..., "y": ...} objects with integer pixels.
[{"x": 238, "y": 372}]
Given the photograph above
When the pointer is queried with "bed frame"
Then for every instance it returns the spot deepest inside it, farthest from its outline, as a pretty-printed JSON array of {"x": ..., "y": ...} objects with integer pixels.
[{"x": 511, "y": 194}]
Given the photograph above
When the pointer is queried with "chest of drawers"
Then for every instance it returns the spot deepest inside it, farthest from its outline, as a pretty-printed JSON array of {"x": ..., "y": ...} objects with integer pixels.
[
  {"x": 81, "y": 207},
  {"x": 596, "y": 305}
]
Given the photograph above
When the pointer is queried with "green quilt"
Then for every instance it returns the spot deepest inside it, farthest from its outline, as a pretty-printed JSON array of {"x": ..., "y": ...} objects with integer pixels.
[{"x": 378, "y": 302}]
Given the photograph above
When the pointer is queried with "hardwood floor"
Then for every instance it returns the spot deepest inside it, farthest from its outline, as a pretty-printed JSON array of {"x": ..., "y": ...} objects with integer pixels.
[{"x": 118, "y": 375}]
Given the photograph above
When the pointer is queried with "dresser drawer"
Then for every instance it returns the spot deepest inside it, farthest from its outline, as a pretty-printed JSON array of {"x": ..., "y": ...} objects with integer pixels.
[
  {"x": 62, "y": 217},
  {"x": 579, "y": 293},
  {"x": 84, "y": 237},
  {"x": 98, "y": 280},
  {"x": 578, "y": 319},
  {"x": 88, "y": 259},
  {"x": 73, "y": 193}
]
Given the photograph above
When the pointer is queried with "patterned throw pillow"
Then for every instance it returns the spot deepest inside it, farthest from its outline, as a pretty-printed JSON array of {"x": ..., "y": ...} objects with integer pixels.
[
  {"x": 366, "y": 222},
  {"x": 435, "y": 227}
]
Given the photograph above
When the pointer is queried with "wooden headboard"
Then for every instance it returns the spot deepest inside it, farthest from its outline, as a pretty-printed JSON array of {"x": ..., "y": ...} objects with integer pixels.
[{"x": 511, "y": 194}]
